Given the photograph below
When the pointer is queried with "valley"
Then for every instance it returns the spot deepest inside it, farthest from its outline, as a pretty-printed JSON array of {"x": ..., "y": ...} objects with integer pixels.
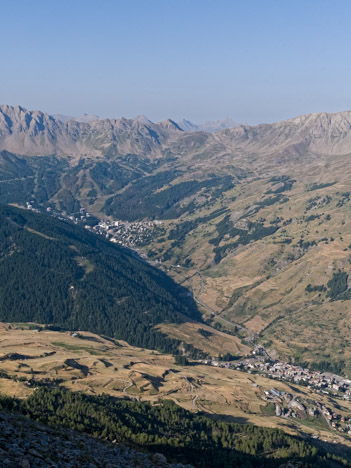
[{"x": 152, "y": 264}]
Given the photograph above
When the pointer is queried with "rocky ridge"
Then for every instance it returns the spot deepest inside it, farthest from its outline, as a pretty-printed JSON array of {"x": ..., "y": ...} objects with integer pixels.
[
  {"x": 28, "y": 444},
  {"x": 209, "y": 126},
  {"x": 35, "y": 133}
]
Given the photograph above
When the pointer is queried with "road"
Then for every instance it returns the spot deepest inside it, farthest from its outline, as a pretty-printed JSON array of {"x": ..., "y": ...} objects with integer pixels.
[
  {"x": 196, "y": 396},
  {"x": 324, "y": 416},
  {"x": 130, "y": 384},
  {"x": 250, "y": 338},
  {"x": 194, "y": 402}
]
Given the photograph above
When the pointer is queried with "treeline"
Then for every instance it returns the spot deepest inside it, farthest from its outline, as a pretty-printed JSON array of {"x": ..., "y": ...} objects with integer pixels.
[
  {"x": 315, "y": 288},
  {"x": 336, "y": 367},
  {"x": 182, "y": 436},
  {"x": 56, "y": 273},
  {"x": 316, "y": 186},
  {"x": 285, "y": 184}
]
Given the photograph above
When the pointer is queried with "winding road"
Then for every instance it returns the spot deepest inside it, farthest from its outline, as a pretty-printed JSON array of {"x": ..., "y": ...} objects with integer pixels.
[{"x": 196, "y": 396}]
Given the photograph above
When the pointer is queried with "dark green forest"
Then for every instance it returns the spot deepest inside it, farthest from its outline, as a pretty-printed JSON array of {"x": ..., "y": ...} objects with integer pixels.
[
  {"x": 144, "y": 199},
  {"x": 56, "y": 273},
  {"x": 165, "y": 427}
]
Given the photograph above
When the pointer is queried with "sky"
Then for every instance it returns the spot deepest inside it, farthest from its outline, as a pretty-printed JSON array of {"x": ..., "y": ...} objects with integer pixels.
[{"x": 254, "y": 61}]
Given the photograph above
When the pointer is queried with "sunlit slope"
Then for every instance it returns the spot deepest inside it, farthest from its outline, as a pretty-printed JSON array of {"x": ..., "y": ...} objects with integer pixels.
[
  {"x": 277, "y": 259},
  {"x": 92, "y": 364}
]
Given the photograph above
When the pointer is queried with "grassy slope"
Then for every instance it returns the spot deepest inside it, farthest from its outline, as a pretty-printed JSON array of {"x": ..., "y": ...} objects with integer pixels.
[
  {"x": 263, "y": 284},
  {"x": 94, "y": 365}
]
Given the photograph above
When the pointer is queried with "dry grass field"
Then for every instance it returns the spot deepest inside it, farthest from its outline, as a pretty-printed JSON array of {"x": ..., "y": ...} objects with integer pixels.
[{"x": 95, "y": 365}]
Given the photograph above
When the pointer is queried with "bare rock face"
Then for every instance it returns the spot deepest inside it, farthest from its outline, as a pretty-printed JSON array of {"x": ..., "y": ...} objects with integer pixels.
[
  {"x": 35, "y": 133},
  {"x": 25, "y": 444},
  {"x": 320, "y": 133},
  {"x": 170, "y": 125}
]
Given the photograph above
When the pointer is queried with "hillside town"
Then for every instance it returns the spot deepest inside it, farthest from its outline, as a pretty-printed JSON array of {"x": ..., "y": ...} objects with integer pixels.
[
  {"x": 128, "y": 234},
  {"x": 287, "y": 404},
  {"x": 125, "y": 233},
  {"x": 325, "y": 382}
]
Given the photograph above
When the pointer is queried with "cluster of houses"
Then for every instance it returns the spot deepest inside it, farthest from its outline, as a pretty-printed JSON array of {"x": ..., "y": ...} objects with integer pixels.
[
  {"x": 30, "y": 206},
  {"x": 320, "y": 381},
  {"x": 119, "y": 232},
  {"x": 261, "y": 363},
  {"x": 80, "y": 217},
  {"x": 286, "y": 404},
  {"x": 126, "y": 233},
  {"x": 336, "y": 421}
]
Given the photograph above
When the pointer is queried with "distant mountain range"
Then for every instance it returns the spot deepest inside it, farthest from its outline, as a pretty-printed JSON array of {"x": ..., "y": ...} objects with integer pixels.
[
  {"x": 186, "y": 125},
  {"x": 80, "y": 118},
  {"x": 210, "y": 126},
  {"x": 37, "y": 133}
]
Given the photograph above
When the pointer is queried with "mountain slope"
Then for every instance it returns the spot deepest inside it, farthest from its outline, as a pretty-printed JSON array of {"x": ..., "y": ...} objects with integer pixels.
[
  {"x": 261, "y": 212},
  {"x": 194, "y": 439},
  {"x": 56, "y": 273}
]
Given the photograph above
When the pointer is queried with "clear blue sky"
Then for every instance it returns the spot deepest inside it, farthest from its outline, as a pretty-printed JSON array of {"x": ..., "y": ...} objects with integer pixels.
[{"x": 254, "y": 61}]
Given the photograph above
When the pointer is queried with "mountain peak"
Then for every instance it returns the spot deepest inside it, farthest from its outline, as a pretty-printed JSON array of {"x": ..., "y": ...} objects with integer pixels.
[
  {"x": 86, "y": 118},
  {"x": 169, "y": 124},
  {"x": 142, "y": 119}
]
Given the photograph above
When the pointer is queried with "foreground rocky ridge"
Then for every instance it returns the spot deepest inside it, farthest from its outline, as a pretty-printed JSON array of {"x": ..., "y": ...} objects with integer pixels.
[{"x": 28, "y": 444}]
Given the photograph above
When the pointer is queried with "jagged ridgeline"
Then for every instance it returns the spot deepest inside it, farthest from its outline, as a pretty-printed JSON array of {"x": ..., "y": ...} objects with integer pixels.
[{"x": 56, "y": 273}]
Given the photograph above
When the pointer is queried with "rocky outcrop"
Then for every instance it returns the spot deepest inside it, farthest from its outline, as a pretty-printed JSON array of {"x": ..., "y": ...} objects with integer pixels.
[{"x": 27, "y": 444}]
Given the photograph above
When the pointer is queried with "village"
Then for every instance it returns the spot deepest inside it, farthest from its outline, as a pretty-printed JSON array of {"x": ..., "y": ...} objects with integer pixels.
[
  {"x": 288, "y": 404},
  {"x": 128, "y": 234}
]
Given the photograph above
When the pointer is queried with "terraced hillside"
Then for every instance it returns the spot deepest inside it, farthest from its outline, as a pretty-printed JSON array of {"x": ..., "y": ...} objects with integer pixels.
[{"x": 93, "y": 365}]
